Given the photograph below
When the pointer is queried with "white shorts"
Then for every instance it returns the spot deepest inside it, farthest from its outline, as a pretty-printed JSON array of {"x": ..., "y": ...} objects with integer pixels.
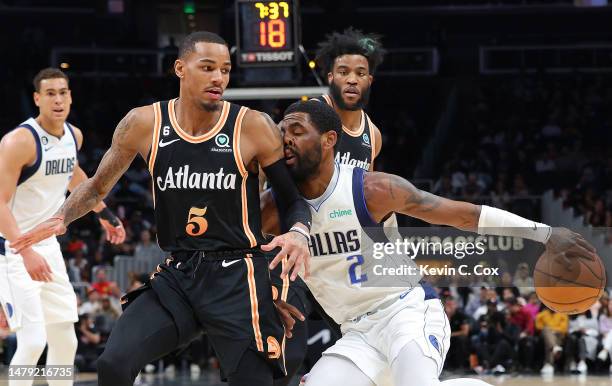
[
  {"x": 27, "y": 301},
  {"x": 373, "y": 342}
]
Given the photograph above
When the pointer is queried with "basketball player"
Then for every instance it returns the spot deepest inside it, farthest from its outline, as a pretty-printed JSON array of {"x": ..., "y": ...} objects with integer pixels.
[
  {"x": 203, "y": 154},
  {"x": 38, "y": 163},
  {"x": 349, "y": 59},
  {"x": 398, "y": 330}
]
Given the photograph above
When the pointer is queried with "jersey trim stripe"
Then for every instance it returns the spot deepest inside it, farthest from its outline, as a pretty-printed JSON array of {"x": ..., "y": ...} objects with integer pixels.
[
  {"x": 154, "y": 145},
  {"x": 76, "y": 144},
  {"x": 29, "y": 171},
  {"x": 285, "y": 290},
  {"x": 155, "y": 137},
  {"x": 361, "y": 127},
  {"x": 254, "y": 304},
  {"x": 244, "y": 173},
  {"x": 328, "y": 99},
  {"x": 372, "y": 141},
  {"x": 200, "y": 138}
]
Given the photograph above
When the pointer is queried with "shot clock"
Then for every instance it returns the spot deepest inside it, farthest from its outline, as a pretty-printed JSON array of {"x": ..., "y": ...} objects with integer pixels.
[{"x": 266, "y": 33}]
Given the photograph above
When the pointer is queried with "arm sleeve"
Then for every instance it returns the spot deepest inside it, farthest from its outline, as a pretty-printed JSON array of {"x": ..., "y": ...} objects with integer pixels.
[{"x": 287, "y": 195}]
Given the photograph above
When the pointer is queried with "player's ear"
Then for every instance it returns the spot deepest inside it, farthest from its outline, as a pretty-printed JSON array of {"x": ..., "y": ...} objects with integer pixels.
[
  {"x": 330, "y": 77},
  {"x": 36, "y": 97},
  {"x": 371, "y": 79},
  {"x": 179, "y": 68},
  {"x": 330, "y": 139}
]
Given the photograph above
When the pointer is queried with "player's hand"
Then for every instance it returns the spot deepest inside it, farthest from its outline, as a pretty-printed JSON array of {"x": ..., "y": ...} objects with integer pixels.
[
  {"x": 294, "y": 246},
  {"x": 565, "y": 245},
  {"x": 51, "y": 227},
  {"x": 114, "y": 234},
  {"x": 288, "y": 314},
  {"x": 36, "y": 265}
]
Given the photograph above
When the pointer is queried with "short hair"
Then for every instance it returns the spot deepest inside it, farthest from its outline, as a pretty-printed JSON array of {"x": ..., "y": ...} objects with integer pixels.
[
  {"x": 48, "y": 73},
  {"x": 323, "y": 117},
  {"x": 350, "y": 42},
  {"x": 188, "y": 44}
]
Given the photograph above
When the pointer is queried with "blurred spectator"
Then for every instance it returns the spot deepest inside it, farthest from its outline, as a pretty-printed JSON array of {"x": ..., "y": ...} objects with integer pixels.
[
  {"x": 78, "y": 264},
  {"x": 522, "y": 325},
  {"x": 582, "y": 340},
  {"x": 553, "y": 327},
  {"x": 533, "y": 305},
  {"x": 146, "y": 249},
  {"x": 458, "y": 353},
  {"x": 106, "y": 316},
  {"x": 523, "y": 280},
  {"x": 494, "y": 343},
  {"x": 90, "y": 343},
  {"x": 476, "y": 302},
  {"x": 92, "y": 304},
  {"x": 605, "y": 326},
  {"x": 491, "y": 296},
  {"x": 103, "y": 286}
]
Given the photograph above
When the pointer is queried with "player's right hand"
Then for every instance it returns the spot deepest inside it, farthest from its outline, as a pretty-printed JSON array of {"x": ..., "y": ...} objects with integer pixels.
[
  {"x": 565, "y": 245},
  {"x": 51, "y": 227},
  {"x": 36, "y": 265}
]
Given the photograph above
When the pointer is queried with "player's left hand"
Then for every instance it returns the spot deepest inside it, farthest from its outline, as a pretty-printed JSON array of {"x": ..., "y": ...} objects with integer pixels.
[
  {"x": 114, "y": 234},
  {"x": 566, "y": 245},
  {"x": 288, "y": 314},
  {"x": 294, "y": 246}
]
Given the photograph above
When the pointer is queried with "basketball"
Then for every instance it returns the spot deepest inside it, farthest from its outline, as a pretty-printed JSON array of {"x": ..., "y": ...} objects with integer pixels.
[{"x": 569, "y": 289}]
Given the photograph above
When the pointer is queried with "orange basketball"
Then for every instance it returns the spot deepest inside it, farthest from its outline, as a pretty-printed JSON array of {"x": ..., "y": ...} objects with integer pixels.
[{"x": 569, "y": 289}]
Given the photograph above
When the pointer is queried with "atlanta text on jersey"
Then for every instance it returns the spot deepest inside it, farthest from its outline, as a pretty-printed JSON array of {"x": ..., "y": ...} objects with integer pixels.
[{"x": 184, "y": 179}]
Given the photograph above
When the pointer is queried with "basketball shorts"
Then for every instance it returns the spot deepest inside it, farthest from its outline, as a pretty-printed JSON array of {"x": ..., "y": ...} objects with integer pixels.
[
  {"x": 229, "y": 296},
  {"x": 27, "y": 301},
  {"x": 372, "y": 342}
]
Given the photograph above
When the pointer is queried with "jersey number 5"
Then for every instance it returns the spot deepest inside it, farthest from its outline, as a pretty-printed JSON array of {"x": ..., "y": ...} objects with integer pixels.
[
  {"x": 196, "y": 223},
  {"x": 353, "y": 268}
]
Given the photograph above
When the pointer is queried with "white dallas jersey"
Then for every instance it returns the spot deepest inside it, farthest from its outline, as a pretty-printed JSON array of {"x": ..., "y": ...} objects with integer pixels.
[
  {"x": 341, "y": 278},
  {"x": 41, "y": 189}
]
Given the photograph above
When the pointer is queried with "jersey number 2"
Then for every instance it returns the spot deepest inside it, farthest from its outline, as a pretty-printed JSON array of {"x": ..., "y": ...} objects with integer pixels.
[
  {"x": 196, "y": 223},
  {"x": 352, "y": 269}
]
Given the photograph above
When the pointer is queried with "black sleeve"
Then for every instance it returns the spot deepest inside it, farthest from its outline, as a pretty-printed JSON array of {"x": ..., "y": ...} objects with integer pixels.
[{"x": 286, "y": 194}]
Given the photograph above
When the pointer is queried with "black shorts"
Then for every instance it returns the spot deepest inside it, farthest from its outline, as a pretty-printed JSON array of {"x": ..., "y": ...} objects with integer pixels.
[{"x": 228, "y": 296}]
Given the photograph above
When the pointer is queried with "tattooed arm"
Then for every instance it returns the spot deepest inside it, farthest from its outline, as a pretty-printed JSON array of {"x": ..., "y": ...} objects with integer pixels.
[
  {"x": 132, "y": 136},
  {"x": 387, "y": 193}
]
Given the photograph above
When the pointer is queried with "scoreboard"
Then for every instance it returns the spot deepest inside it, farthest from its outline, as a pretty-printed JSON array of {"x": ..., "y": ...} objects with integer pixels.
[{"x": 266, "y": 33}]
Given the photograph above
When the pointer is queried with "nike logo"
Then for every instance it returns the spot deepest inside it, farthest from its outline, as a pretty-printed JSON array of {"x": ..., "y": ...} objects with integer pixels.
[
  {"x": 162, "y": 143},
  {"x": 226, "y": 264},
  {"x": 48, "y": 148}
]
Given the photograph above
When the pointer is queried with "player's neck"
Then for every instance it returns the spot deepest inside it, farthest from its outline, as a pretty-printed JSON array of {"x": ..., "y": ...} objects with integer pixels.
[
  {"x": 193, "y": 119},
  {"x": 51, "y": 126},
  {"x": 351, "y": 119},
  {"x": 314, "y": 186}
]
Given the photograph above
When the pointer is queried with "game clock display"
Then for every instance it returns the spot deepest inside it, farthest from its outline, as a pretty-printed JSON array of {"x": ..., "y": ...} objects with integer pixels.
[{"x": 266, "y": 33}]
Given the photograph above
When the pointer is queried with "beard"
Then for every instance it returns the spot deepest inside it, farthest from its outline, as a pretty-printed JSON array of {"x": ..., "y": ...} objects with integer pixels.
[
  {"x": 336, "y": 94},
  {"x": 307, "y": 165},
  {"x": 211, "y": 107}
]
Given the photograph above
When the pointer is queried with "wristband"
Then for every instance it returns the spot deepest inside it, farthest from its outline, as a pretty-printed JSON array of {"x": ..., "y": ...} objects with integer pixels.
[
  {"x": 106, "y": 214},
  {"x": 300, "y": 231}
]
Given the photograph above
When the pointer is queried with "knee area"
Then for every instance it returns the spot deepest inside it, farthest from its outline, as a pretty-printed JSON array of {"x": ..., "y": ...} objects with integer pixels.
[{"x": 112, "y": 366}]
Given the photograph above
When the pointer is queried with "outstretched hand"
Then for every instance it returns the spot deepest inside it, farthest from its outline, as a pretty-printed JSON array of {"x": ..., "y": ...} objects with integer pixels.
[
  {"x": 565, "y": 245},
  {"x": 294, "y": 246},
  {"x": 114, "y": 234},
  {"x": 51, "y": 227}
]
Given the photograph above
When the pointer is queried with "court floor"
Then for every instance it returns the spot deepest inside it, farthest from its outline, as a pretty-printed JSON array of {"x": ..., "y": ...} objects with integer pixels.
[{"x": 211, "y": 378}]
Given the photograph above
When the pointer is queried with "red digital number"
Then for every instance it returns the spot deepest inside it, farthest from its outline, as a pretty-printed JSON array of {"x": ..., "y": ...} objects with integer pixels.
[{"x": 272, "y": 33}]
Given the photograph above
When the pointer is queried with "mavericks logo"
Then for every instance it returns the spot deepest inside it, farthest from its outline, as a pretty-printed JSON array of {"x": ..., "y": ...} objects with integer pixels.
[{"x": 223, "y": 144}]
